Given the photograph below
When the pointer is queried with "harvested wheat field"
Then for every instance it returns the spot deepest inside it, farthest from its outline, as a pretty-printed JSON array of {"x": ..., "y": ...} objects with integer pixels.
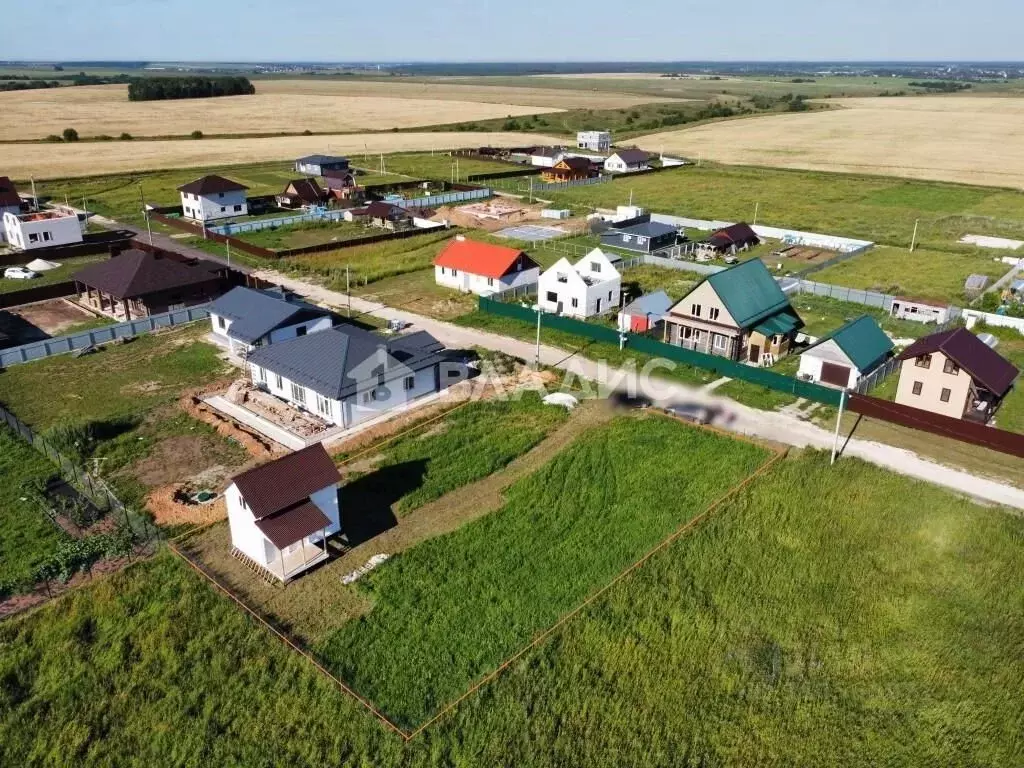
[
  {"x": 105, "y": 110},
  {"x": 968, "y": 139},
  {"x": 54, "y": 161}
]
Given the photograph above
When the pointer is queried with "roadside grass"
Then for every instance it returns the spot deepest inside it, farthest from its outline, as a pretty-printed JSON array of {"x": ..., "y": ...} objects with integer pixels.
[
  {"x": 67, "y": 268},
  {"x": 844, "y": 612},
  {"x": 875, "y": 208},
  {"x": 450, "y": 609},
  {"x": 418, "y": 292},
  {"x": 822, "y": 314},
  {"x": 472, "y": 442},
  {"x": 922, "y": 274},
  {"x": 302, "y": 235},
  {"x": 27, "y": 536}
]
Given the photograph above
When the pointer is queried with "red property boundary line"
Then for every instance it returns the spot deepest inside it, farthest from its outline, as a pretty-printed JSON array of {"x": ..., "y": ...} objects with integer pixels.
[{"x": 407, "y": 736}]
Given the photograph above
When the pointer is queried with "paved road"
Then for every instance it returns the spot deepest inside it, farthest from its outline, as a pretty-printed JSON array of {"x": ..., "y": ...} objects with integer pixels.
[{"x": 775, "y": 426}]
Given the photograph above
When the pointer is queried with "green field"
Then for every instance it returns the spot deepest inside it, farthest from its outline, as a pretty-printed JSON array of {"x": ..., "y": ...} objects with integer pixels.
[
  {"x": 302, "y": 235},
  {"x": 26, "y": 535},
  {"x": 67, "y": 268},
  {"x": 425, "y": 165},
  {"x": 934, "y": 275},
  {"x": 370, "y": 263},
  {"x": 870, "y": 207},
  {"x": 803, "y": 624},
  {"x": 449, "y": 610},
  {"x": 474, "y": 441}
]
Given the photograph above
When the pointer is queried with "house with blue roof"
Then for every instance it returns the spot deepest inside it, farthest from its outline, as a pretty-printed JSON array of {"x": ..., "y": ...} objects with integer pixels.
[
  {"x": 245, "y": 318},
  {"x": 646, "y": 237},
  {"x": 320, "y": 165},
  {"x": 844, "y": 356},
  {"x": 740, "y": 313}
]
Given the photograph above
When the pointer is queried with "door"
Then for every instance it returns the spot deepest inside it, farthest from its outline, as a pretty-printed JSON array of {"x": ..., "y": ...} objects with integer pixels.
[
  {"x": 755, "y": 353},
  {"x": 836, "y": 375}
]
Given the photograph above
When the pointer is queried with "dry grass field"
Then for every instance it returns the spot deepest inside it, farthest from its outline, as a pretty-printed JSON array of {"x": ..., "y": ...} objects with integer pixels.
[
  {"x": 53, "y": 161},
  {"x": 968, "y": 139},
  {"x": 105, "y": 110}
]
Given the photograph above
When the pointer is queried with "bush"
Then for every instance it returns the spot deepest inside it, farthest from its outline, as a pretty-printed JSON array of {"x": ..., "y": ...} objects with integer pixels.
[
  {"x": 307, "y": 132},
  {"x": 70, "y": 134},
  {"x": 125, "y": 137},
  {"x": 197, "y": 134},
  {"x": 76, "y": 440},
  {"x": 104, "y": 137},
  {"x": 54, "y": 138},
  {"x": 192, "y": 87}
]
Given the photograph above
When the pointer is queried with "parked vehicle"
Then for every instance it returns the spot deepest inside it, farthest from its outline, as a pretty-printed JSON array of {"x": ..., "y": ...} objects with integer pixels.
[{"x": 19, "y": 273}]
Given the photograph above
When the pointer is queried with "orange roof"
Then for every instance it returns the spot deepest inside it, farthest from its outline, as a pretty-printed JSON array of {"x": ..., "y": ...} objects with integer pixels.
[{"x": 481, "y": 258}]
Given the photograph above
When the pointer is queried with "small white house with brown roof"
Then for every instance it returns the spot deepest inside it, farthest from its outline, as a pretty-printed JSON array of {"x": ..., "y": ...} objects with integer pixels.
[
  {"x": 282, "y": 513},
  {"x": 213, "y": 197},
  {"x": 473, "y": 267}
]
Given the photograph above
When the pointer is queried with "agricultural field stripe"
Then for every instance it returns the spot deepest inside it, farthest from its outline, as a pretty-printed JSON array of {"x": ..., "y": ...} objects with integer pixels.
[
  {"x": 294, "y": 646},
  {"x": 780, "y": 453}
]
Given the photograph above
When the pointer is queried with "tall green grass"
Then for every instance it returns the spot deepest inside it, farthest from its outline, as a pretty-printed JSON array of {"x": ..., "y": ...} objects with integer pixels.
[{"x": 450, "y": 609}]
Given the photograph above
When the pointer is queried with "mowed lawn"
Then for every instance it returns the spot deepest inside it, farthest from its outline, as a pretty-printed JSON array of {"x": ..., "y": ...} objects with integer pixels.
[
  {"x": 451, "y": 609},
  {"x": 66, "y": 270},
  {"x": 27, "y": 536},
  {"x": 934, "y": 275},
  {"x": 819, "y": 619},
  {"x": 302, "y": 235}
]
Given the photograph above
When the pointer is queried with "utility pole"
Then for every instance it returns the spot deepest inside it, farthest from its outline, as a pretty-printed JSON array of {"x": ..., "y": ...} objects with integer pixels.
[
  {"x": 227, "y": 244},
  {"x": 381, "y": 163},
  {"x": 348, "y": 291},
  {"x": 757, "y": 207},
  {"x": 537, "y": 358},
  {"x": 913, "y": 240},
  {"x": 145, "y": 212},
  {"x": 631, "y": 198},
  {"x": 35, "y": 200},
  {"x": 839, "y": 421}
]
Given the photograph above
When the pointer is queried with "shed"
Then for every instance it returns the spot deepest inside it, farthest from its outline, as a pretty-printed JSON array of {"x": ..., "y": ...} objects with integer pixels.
[
  {"x": 843, "y": 357},
  {"x": 645, "y": 313},
  {"x": 975, "y": 285}
]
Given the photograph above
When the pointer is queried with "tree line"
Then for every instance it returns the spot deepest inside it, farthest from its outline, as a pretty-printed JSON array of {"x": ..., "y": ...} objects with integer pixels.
[{"x": 159, "y": 88}]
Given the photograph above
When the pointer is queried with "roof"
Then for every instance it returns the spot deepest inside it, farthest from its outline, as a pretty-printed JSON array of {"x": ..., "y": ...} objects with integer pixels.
[
  {"x": 984, "y": 364},
  {"x": 335, "y": 362},
  {"x": 782, "y": 323},
  {"x": 862, "y": 340},
  {"x": 924, "y": 302},
  {"x": 749, "y": 292},
  {"x": 975, "y": 282},
  {"x": 482, "y": 258},
  {"x": 736, "y": 233},
  {"x": 306, "y": 190},
  {"x": 657, "y": 303},
  {"x": 135, "y": 273},
  {"x": 321, "y": 159},
  {"x": 254, "y": 314},
  {"x": 575, "y": 163},
  {"x": 632, "y": 156},
  {"x": 381, "y": 210},
  {"x": 287, "y": 481},
  {"x": 646, "y": 229},
  {"x": 546, "y": 152},
  {"x": 8, "y": 193},
  {"x": 293, "y": 524},
  {"x": 211, "y": 185}
]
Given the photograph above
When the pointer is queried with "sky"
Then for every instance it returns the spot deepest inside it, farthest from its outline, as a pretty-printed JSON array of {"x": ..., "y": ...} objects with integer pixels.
[{"x": 486, "y": 30}]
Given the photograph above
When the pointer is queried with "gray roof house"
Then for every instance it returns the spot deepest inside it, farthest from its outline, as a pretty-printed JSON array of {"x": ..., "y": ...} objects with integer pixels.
[
  {"x": 244, "y": 318},
  {"x": 643, "y": 238},
  {"x": 316, "y": 165},
  {"x": 644, "y": 313},
  {"x": 346, "y": 375}
]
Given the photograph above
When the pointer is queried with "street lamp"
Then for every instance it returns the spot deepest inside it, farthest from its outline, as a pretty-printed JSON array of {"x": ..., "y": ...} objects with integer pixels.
[{"x": 536, "y": 308}]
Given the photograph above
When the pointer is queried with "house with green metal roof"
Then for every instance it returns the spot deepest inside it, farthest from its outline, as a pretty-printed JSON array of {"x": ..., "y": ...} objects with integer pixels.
[
  {"x": 740, "y": 313},
  {"x": 844, "y": 356}
]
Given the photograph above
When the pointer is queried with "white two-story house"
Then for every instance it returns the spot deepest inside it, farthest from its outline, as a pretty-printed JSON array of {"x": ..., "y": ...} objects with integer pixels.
[
  {"x": 244, "y": 318},
  {"x": 282, "y": 513},
  {"x": 213, "y": 197},
  {"x": 473, "y": 267},
  {"x": 42, "y": 229},
  {"x": 590, "y": 287}
]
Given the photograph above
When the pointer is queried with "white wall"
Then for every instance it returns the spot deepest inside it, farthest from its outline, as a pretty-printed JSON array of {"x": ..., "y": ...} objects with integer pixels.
[
  {"x": 460, "y": 280},
  {"x": 921, "y": 313},
  {"x": 826, "y": 352},
  {"x": 973, "y": 317},
  {"x": 206, "y": 208},
  {"x": 43, "y": 233},
  {"x": 289, "y": 331}
]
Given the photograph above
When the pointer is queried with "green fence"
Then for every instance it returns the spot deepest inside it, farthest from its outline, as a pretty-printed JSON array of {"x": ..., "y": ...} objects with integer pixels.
[{"x": 648, "y": 346}]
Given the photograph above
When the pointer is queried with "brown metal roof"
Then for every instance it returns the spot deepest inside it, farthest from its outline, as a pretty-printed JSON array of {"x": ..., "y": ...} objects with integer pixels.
[
  {"x": 575, "y": 163},
  {"x": 984, "y": 364},
  {"x": 285, "y": 482},
  {"x": 737, "y": 233},
  {"x": 290, "y": 525},
  {"x": 212, "y": 184},
  {"x": 632, "y": 156},
  {"x": 306, "y": 190},
  {"x": 381, "y": 210},
  {"x": 8, "y": 193},
  {"x": 135, "y": 273}
]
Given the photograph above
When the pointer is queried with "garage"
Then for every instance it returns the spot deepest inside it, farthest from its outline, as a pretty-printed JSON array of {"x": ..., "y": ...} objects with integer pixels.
[{"x": 837, "y": 375}]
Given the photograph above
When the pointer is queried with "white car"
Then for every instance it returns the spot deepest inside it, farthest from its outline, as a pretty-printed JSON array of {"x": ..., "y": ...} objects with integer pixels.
[{"x": 19, "y": 273}]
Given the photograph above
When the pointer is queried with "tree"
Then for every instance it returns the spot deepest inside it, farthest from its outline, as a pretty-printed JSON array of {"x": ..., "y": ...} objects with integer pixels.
[
  {"x": 70, "y": 134},
  {"x": 197, "y": 134},
  {"x": 125, "y": 137}
]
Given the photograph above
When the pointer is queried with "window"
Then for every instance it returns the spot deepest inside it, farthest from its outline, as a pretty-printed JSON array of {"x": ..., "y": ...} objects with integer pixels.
[
  {"x": 221, "y": 323},
  {"x": 238, "y": 208},
  {"x": 220, "y": 194},
  {"x": 575, "y": 302},
  {"x": 298, "y": 394},
  {"x": 713, "y": 313},
  {"x": 917, "y": 388},
  {"x": 409, "y": 383},
  {"x": 455, "y": 272},
  {"x": 923, "y": 361},
  {"x": 695, "y": 310},
  {"x": 222, "y": 209},
  {"x": 552, "y": 297},
  {"x": 609, "y": 295},
  {"x": 562, "y": 277},
  {"x": 696, "y": 334},
  {"x": 261, "y": 374},
  {"x": 47, "y": 237},
  {"x": 33, "y": 237},
  {"x": 687, "y": 331},
  {"x": 719, "y": 341},
  {"x": 595, "y": 266},
  {"x": 367, "y": 397},
  {"x": 944, "y": 396},
  {"x": 490, "y": 282},
  {"x": 950, "y": 367},
  {"x": 279, "y": 381},
  {"x": 323, "y": 405},
  {"x": 300, "y": 331}
]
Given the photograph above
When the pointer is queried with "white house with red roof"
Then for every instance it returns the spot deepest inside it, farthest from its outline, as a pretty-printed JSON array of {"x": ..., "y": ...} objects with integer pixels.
[{"x": 473, "y": 267}]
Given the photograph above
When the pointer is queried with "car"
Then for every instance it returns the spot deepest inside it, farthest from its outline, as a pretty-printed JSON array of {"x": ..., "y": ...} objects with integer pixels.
[
  {"x": 19, "y": 273},
  {"x": 692, "y": 412}
]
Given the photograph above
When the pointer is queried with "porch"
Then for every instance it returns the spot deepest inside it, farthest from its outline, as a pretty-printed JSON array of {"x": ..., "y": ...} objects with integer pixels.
[{"x": 297, "y": 558}]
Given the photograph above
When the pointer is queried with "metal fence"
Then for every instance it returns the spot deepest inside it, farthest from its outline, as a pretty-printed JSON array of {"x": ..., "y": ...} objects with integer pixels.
[
  {"x": 680, "y": 264},
  {"x": 854, "y": 295},
  {"x": 557, "y": 185},
  {"x": 143, "y": 531},
  {"x": 446, "y": 198},
  {"x": 279, "y": 221},
  {"x": 61, "y": 345},
  {"x": 877, "y": 376}
]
